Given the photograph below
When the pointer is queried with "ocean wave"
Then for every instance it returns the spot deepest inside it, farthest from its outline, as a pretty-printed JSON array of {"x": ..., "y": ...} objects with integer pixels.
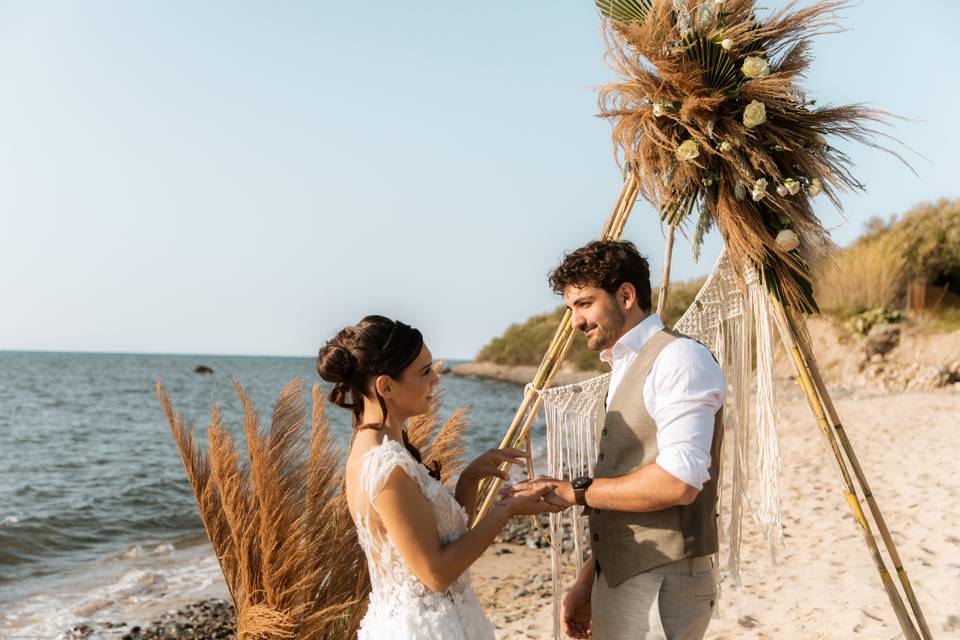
[
  {"x": 137, "y": 551},
  {"x": 132, "y": 590}
]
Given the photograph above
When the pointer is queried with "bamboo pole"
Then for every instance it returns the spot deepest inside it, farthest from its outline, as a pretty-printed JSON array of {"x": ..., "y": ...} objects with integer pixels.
[
  {"x": 815, "y": 402},
  {"x": 525, "y": 431},
  {"x": 840, "y": 433},
  {"x": 665, "y": 275},
  {"x": 562, "y": 339},
  {"x": 550, "y": 359}
]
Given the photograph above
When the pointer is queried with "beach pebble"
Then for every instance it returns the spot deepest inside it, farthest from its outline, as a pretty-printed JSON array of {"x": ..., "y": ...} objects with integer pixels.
[{"x": 213, "y": 619}]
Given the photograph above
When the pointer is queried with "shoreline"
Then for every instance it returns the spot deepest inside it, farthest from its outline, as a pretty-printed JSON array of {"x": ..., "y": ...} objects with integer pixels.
[
  {"x": 116, "y": 594},
  {"x": 518, "y": 374},
  {"x": 912, "y": 360}
]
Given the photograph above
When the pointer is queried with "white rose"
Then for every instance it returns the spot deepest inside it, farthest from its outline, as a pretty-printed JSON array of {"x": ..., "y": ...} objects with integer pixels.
[
  {"x": 688, "y": 150},
  {"x": 782, "y": 191},
  {"x": 820, "y": 139},
  {"x": 793, "y": 187},
  {"x": 814, "y": 188},
  {"x": 657, "y": 109},
  {"x": 788, "y": 240},
  {"x": 725, "y": 146},
  {"x": 727, "y": 44},
  {"x": 759, "y": 189},
  {"x": 754, "y": 67},
  {"x": 755, "y": 114}
]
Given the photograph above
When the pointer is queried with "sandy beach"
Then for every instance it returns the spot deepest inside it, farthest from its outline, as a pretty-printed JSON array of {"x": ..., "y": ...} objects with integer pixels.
[{"x": 823, "y": 584}]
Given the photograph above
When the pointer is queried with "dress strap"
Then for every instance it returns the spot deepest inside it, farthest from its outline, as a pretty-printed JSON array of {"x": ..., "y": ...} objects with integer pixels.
[{"x": 379, "y": 462}]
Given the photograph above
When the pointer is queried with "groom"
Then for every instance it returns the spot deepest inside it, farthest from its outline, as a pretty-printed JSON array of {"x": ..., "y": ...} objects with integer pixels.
[{"x": 652, "y": 502}]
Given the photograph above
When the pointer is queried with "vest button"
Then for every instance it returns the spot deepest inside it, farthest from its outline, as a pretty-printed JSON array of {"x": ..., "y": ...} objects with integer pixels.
[
  {"x": 601, "y": 456},
  {"x": 596, "y": 537},
  {"x": 604, "y": 432}
]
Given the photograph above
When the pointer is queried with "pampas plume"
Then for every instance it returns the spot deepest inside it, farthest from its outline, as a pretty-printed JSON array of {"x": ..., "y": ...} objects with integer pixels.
[{"x": 278, "y": 518}]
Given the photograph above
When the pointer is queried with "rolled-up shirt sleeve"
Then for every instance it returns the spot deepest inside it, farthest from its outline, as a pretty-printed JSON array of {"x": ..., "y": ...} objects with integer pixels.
[{"x": 683, "y": 393}]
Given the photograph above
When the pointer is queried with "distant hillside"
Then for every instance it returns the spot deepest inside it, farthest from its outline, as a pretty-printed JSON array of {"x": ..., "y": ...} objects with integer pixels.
[
  {"x": 868, "y": 278},
  {"x": 525, "y": 343},
  {"x": 922, "y": 247}
]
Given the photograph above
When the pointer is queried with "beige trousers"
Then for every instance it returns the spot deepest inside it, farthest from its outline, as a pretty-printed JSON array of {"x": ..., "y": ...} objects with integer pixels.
[{"x": 670, "y": 602}]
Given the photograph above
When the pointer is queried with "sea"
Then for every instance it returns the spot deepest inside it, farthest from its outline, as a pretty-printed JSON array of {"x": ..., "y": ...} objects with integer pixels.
[{"x": 97, "y": 520}]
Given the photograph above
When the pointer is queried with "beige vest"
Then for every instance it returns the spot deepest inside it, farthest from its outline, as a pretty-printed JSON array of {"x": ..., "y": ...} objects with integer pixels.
[{"x": 626, "y": 544}]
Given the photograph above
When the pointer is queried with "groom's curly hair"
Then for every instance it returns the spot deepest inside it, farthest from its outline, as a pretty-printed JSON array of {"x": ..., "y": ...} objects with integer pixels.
[{"x": 606, "y": 264}]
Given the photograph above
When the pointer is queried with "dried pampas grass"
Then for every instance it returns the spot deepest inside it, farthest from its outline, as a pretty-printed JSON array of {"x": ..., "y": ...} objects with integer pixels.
[
  {"x": 710, "y": 118},
  {"x": 278, "y": 519}
]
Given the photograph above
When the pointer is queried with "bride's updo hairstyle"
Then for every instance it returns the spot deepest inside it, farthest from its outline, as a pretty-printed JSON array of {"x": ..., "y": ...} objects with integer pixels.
[{"x": 375, "y": 346}]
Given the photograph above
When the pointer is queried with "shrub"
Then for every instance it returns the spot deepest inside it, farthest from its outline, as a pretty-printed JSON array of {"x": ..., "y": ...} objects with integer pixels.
[
  {"x": 861, "y": 323},
  {"x": 873, "y": 272},
  {"x": 867, "y": 275},
  {"x": 928, "y": 238}
]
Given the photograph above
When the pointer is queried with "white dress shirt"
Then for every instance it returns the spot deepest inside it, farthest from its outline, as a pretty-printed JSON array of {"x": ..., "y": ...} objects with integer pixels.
[{"x": 682, "y": 394}]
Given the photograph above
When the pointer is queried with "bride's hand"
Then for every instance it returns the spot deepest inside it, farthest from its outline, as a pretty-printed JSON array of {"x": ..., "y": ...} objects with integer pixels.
[
  {"x": 530, "y": 502},
  {"x": 488, "y": 464}
]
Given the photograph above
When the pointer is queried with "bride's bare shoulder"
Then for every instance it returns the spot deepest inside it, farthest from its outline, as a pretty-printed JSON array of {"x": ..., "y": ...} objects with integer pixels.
[{"x": 364, "y": 440}]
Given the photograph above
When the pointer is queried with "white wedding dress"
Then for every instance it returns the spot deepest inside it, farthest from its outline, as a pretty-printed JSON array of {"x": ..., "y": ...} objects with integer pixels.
[{"x": 401, "y": 607}]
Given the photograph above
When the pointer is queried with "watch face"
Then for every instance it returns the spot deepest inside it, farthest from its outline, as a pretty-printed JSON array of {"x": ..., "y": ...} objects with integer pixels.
[{"x": 581, "y": 483}]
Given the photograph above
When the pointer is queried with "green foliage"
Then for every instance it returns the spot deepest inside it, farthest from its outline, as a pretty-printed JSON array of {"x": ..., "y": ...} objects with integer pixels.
[
  {"x": 861, "y": 323},
  {"x": 525, "y": 343},
  {"x": 625, "y": 11},
  {"x": 946, "y": 320},
  {"x": 679, "y": 299},
  {"x": 874, "y": 271},
  {"x": 928, "y": 238}
]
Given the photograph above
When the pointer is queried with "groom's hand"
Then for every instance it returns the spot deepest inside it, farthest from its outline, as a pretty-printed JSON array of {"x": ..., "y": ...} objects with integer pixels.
[
  {"x": 560, "y": 496},
  {"x": 575, "y": 612}
]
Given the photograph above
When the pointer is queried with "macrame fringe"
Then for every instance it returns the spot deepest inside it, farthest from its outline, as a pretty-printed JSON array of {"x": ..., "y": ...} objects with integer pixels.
[{"x": 571, "y": 414}]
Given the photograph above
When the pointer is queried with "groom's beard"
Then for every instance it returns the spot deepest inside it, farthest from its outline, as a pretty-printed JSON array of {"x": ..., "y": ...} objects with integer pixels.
[{"x": 606, "y": 332}]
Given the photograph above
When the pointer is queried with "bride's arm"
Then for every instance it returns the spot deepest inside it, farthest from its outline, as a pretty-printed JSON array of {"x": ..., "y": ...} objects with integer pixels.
[
  {"x": 408, "y": 518},
  {"x": 466, "y": 492}
]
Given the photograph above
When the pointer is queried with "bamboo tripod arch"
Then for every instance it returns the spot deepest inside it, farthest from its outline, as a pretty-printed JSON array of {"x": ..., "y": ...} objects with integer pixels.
[{"x": 813, "y": 389}]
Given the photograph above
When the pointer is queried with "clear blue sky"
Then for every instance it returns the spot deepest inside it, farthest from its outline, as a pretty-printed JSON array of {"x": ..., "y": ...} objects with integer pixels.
[{"x": 240, "y": 177}]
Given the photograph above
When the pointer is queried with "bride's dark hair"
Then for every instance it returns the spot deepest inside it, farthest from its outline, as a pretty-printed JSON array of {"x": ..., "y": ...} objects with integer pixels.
[{"x": 375, "y": 346}]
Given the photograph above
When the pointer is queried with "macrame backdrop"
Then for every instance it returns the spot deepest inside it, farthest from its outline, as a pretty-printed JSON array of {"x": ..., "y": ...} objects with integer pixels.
[
  {"x": 731, "y": 317},
  {"x": 571, "y": 413}
]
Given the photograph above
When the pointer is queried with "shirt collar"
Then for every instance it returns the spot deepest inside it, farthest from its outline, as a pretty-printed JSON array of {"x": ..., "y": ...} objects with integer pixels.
[{"x": 633, "y": 340}]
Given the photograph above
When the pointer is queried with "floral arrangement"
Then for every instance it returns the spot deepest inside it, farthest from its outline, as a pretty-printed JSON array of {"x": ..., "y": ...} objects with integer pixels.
[{"x": 710, "y": 118}]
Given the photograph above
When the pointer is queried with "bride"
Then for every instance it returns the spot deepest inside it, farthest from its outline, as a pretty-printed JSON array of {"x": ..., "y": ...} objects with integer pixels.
[{"x": 412, "y": 529}]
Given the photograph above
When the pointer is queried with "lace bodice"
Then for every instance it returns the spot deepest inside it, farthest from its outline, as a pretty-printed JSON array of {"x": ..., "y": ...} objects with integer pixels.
[{"x": 401, "y": 606}]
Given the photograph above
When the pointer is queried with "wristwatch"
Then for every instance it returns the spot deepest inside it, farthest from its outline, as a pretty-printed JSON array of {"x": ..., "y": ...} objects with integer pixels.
[{"x": 580, "y": 489}]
